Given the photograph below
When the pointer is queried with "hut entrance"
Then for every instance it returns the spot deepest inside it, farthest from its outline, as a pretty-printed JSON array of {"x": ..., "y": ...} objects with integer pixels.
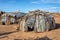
[
  {"x": 29, "y": 25},
  {"x": 30, "y": 29}
]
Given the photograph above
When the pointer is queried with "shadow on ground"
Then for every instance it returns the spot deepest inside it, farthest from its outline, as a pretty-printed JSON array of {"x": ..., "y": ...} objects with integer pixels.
[
  {"x": 38, "y": 38},
  {"x": 7, "y": 33},
  {"x": 57, "y": 25},
  {"x": 3, "y": 35},
  {"x": 44, "y": 38}
]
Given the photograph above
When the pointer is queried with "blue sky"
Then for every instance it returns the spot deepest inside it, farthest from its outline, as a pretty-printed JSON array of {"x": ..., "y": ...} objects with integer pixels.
[{"x": 26, "y": 5}]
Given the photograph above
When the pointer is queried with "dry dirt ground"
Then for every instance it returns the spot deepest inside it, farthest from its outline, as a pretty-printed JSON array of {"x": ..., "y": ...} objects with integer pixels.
[{"x": 13, "y": 34}]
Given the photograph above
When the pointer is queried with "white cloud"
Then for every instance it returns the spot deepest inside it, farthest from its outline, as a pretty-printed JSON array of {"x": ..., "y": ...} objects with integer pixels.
[
  {"x": 50, "y": 1},
  {"x": 45, "y": 1},
  {"x": 35, "y": 2},
  {"x": 52, "y": 9}
]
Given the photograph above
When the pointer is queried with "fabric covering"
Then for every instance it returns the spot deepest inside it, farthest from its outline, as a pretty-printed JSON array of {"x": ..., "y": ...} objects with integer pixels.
[
  {"x": 12, "y": 20},
  {"x": 4, "y": 19},
  {"x": 40, "y": 23},
  {"x": 29, "y": 22}
]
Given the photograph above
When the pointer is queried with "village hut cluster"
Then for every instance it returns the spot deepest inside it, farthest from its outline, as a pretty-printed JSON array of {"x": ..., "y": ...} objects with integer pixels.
[
  {"x": 8, "y": 18},
  {"x": 37, "y": 21}
]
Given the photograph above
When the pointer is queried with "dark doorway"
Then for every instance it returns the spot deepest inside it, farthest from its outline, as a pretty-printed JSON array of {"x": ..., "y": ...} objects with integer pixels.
[
  {"x": 3, "y": 23},
  {"x": 30, "y": 29}
]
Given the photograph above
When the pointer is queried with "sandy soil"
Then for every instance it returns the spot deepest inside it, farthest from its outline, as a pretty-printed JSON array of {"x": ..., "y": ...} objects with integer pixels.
[{"x": 13, "y": 34}]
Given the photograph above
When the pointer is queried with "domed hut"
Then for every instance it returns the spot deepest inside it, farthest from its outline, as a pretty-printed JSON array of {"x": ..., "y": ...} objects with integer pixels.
[{"x": 37, "y": 21}]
